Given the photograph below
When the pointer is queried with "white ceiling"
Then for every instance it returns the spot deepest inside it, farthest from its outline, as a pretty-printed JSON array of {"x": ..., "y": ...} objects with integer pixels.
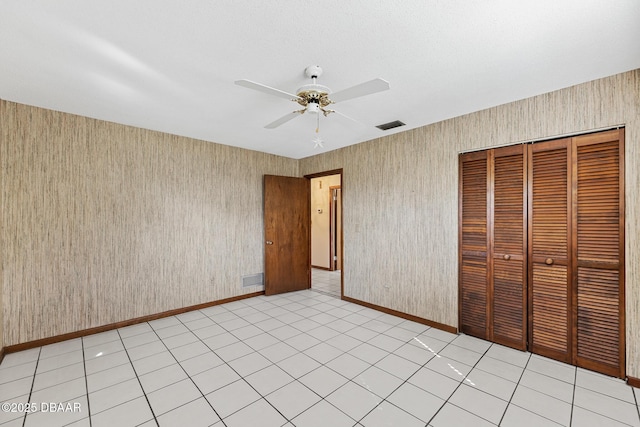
[{"x": 170, "y": 65}]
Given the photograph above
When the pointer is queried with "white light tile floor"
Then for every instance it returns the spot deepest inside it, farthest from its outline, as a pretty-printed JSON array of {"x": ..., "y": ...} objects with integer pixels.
[
  {"x": 301, "y": 359},
  {"x": 327, "y": 282}
]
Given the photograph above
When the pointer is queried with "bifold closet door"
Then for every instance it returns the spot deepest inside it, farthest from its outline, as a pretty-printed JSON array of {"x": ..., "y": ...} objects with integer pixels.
[
  {"x": 576, "y": 253},
  {"x": 598, "y": 232},
  {"x": 493, "y": 245},
  {"x": 508, "y": 246},
  {"x": 473, "y": 244},
  {"x": 541, "y": 243},
  {"x": 550, "y": 296}
]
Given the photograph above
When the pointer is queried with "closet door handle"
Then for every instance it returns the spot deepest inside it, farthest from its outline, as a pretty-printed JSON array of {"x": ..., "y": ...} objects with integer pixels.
[
  {"x": 506, "y": 257},
  {"x": 548, "y": 261}
]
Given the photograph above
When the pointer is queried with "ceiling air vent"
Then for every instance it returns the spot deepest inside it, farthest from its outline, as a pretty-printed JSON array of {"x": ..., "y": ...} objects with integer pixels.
[{"x": 390, "y": 125}]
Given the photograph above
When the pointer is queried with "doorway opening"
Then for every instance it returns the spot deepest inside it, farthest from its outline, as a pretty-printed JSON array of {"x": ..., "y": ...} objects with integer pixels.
[{"x": 326, "y": 232}]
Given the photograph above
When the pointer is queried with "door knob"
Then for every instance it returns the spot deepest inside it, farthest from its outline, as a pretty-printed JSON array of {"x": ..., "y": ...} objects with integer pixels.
[
  {"x": 548, "y": 261},
  {"x": 506, "y": 257},
  {"x": 269, "y": 242}
]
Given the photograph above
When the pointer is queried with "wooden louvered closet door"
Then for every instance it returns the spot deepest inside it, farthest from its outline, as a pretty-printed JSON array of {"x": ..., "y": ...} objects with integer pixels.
[
  {"x": 549, "y": 249},
  {"x": 493, "y": 245},
  {"x": 542, "y": 249},
  {"x": 508, "y": 247},
  {"x": 473, "y": 244},
  {"x": 576, "y": 234},
  {"x": 598, "y": 230}
]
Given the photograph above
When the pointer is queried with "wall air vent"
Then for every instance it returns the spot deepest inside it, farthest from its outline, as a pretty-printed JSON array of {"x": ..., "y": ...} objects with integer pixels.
[
  {"x": 253, "y": 280},
  {"x": 390, "y": 125}
]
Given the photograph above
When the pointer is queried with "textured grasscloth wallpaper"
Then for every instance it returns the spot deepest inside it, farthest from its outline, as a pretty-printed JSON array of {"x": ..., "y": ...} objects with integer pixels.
[
  {"x": 401, "y": 204},
  {"x": 3, "y": 136},
  {"x": 103, "y": 222}
]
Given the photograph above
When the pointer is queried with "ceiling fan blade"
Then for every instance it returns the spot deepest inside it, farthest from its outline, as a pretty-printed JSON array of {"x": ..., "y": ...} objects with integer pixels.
[
  {"x": 266, "y": 89},
  {"x": 284, "y": 119},
  {"x": 348, "y": 117},
  {"x": 366, "y": 88}
]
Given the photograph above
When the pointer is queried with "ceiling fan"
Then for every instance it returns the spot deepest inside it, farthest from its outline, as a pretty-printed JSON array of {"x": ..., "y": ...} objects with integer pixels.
[{"x": 316, "y": 98}]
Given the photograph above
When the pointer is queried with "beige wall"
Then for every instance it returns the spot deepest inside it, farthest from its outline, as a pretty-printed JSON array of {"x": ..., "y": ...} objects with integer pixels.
[
  {"x": 320, "y": 231},
  {"x": 3, "y": 135},
  {"x": 403, "y": 254},
  {"x": 103, "y": 222}
]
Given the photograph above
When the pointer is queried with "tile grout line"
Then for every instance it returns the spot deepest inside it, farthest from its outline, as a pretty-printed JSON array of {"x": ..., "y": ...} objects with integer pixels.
[
  {"x": 138, "y": 378},
  {"x": 350, "y": 380},
  {"x": 281, "y": 304},
  {"x": 257, "y": 351},
  {"x": 611, "y": 397},
  {"x": 460, "y": 384},
  {"x": 33, "y": 382},
  {"x": 298, "y": 351},
  {"x": 181, "y": 367},
  {"x": 574, "y": 386},
  {"x": 267, "y": 332},
  {"x": 573, "y": 395},
  {"x": 401, "y": 384},
  {"x": 242, "y": 377},
  {"x": 323, "y": 292},
  {"x": 86, "y": 381},
  {"x": 406, "y": 342},
  {"x": 572, "y": 404},
  {"x": 524, "y": 368},
  {"x": 605, "y": 394},
  {"x": 541, "y": 392},
  {"x": 635, "y": 398}
]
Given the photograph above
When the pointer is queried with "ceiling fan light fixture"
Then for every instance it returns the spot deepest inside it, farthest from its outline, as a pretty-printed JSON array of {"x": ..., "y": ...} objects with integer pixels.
[{"x": 313, "y": 107}]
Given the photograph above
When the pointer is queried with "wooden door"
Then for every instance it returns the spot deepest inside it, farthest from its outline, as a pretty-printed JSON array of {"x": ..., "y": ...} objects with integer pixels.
[
  {"x": 493, "y": 243},
  {"x": 576, "y": 230},
  {"x": 473, "y": 243},
  {"x": 287, "y": 219},
  {"x": 508, "y": 246},
  {"x": 598, "y": 235},
  {"x": 541, "y": 243},
  {"x": 550, "y": 271}
]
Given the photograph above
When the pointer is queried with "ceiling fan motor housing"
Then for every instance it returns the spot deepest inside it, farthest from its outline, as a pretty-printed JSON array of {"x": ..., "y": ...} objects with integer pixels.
[
  {"x": 313, "y": 93},
  {"x": 313, "y": 71}
]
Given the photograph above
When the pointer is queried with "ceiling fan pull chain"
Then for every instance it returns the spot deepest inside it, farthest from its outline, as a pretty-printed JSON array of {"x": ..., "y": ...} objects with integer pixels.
[{"x": 318, "y": 123}]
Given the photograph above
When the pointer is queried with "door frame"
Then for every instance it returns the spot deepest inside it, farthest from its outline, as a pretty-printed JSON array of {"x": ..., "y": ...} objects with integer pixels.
[
  {"x": 319, "y": 175},
  {"x": 333, "y": 228}
]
